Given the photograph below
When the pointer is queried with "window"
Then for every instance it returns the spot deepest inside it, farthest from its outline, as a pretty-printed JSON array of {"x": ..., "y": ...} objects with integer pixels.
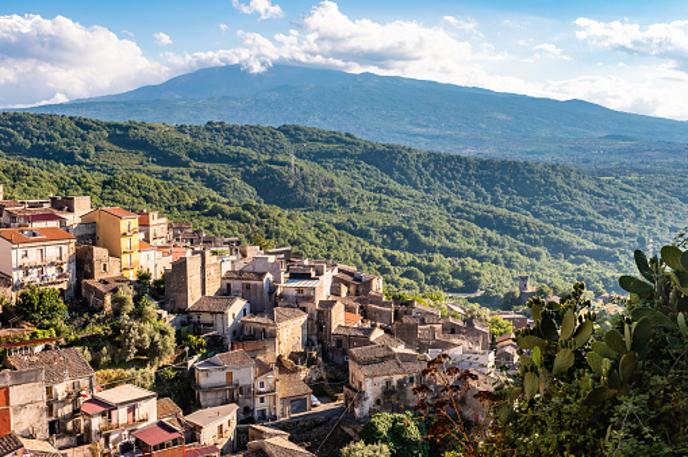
[
  {"x": 261, "y": 384},
  {"x": 24, "y": 254},
  {"x": 219, "y": 430},
  {"x": 103, "y": 267},
  {"x": 411, "y": 380},
  {"x": 388, "y": 384},
  {"x": 338, "y": 343},
  {"x": 299, "y": 291},
  {"x": 247, "y": 286},
  {"x": 262, "y": 400},
  {"x": 244, "y": 312}
]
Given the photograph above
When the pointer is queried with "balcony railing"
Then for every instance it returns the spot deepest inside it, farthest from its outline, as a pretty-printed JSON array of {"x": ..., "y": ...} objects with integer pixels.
[
  {"x": 109, "y": 426},
  {"x": 45, "y": 280}
]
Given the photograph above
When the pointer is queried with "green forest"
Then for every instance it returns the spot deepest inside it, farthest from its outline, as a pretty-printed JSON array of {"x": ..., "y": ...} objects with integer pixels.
[{"x": 423, "y": 220}]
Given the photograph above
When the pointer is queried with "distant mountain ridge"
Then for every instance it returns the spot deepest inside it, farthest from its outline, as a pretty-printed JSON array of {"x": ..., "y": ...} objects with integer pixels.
[{"x": 417, "y": 113}]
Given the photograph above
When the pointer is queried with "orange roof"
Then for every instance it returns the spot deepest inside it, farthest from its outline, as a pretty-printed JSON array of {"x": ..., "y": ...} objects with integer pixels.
[
  {"x": 118, "y": 212},
  {"x": 35, "y": 235},
  {"x": 143, "y": 246},
  {"x": 351, "y": 318}
]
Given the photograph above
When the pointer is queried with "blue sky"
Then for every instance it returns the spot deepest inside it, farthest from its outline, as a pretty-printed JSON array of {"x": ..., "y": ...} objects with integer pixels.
[{"x": 630, "y": 55}]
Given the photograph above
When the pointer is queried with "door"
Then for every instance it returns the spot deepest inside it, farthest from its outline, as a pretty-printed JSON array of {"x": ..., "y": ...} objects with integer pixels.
[
  {"x": 229, "y": 378},
  {"x": 298, "y": 405},
  {"x": 131, "y": 414}
]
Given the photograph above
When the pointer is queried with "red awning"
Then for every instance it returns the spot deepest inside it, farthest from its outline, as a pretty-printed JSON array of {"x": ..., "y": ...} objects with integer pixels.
[
  {"x": 94, "y": 406},
  {"x": 157, "y": 433}
]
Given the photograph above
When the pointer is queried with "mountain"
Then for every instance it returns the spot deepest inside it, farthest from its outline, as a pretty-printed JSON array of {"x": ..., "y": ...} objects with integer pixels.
[
  {"x": 421, "y": 219},
  {"x": 417, "y": 113}
]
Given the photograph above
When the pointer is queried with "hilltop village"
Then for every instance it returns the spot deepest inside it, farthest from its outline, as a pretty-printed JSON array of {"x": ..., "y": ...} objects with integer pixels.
[{"x": 278, "y": 351}]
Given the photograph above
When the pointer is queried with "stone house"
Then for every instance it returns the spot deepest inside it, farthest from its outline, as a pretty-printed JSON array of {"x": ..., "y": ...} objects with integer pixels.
[
  {"x": 226, "y": 378},
  {"x": 345, "y": 338},
  {"x": 191, "y": 278},
  {"x": 349, "y": 281},
  {"x": 98, "y": 292},
  {"x": 68, "y": 378},
  {"x": 331, "y": 314},
  {"x": 219, "y": 315},
  {"x": 93, "y": 262},
  {"x": 41, "y": 256},
  {"x": 381, "y": 380},
  {"x": 215, "y": 426},
  {"x": 23, "y": 407},
  {"x": 113, "y": 415},
  {"x": 255, "y": 287},
  {"x": 293, "y": 395},
  {"x": 287, "y": 328}
]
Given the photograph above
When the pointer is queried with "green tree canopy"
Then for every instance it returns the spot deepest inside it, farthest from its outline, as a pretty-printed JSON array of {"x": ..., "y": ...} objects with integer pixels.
[
  {"x": 360, "y": 449},
  {"x": 399, "y": 431},
  {"x": 42, "y": 306}
]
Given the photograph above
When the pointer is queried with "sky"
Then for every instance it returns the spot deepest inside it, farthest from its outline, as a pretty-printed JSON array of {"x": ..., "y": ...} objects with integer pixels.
[{"x": 627, "y": 55}]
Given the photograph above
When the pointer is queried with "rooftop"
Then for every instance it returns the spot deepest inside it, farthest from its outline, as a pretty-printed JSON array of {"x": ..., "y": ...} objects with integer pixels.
[
  {"x": 107, "y": 285},
  {"x": 125, "y": 393},
  {"x": 258, "y": 319},
  {"x": 9, "y": 444},
  {"x": 202, "y": 451},
  {"x": 215, "y": 304},
  {"x": 351, "y": 318},
  {"x": 93, "y": 406},
  {"x": 208, "y": 416},
  {"x": 291, "y": 385},
  {"x": 119, "y": 212},
  {"x": 60, "y": 365},
  {"x": 158, "y": 433},
  {"x": 167, "y": 407},
  {"x": 238, "y": 358},
  {"x": 277, "y": 447},
  {"x": 302, "y": 283},
  {"x": 284, "y": 314},
  {"x": 362, "y": 332},
  {"x": 245, "y": 275},
  {"x": 35, "y": 235}
]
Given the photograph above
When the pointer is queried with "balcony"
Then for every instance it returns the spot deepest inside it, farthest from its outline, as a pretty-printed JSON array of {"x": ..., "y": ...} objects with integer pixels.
[
  {"x": 131, "y": 232},
  {"x": 45, "y": 280},
  {"x": 108, "y": 426}
]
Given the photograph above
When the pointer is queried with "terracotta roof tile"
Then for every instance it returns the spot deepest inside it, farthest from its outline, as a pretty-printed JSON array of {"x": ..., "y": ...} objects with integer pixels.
[
  {"x": 60, "y": 365},
  {"x": 35, "y": 235},
  {"x": 291, "y": 385},
  {"x": 238, "y": 358},
  {"x": 214, "y": 304},
  {"x": 284, "y": 314}
]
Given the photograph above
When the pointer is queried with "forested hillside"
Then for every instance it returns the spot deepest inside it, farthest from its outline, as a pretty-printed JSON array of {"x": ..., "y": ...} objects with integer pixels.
[
  {"x": 416, "y": 113},
  {"x": 421, "y": 219}
]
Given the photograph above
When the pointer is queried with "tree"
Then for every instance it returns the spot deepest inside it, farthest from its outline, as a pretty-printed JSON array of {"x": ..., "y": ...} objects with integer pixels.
[
  {"x": 442, "y": 403},
  {"x": 122, "y": 301},
  {"x": 143, "y": 283},
  {"x": 360, "y": 449},
  {"x": 42, "y": 306},
  {"x": 399, "y": 431},
  {"x": 614, "y": 387},
  {"x": 500, "y": 326}
]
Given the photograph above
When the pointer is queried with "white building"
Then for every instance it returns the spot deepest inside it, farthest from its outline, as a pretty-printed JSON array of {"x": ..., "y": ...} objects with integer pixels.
[
  {"x": 44, "y": 256},
  {"x": 215, "y": 426},
  {"x": 482, "y": 362},
  {"x": 226, "y": 378},
  {"x": 111, "y": 416},
  {"x": 220, "y": 315}
]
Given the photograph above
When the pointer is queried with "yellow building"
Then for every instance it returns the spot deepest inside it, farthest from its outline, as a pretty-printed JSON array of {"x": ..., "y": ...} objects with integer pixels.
[{"x": 117, "y": 230}]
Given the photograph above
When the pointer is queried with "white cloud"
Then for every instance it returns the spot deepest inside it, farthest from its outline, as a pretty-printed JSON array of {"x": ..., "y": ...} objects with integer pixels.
[
  {"x": 467, "y": 25},
  {"x": 264, "y": 8},
  {"x": 549, "y": 50},
  {"x": 665, "y": 40},
  {"x": 223, "y": 27},
  {"x": 162, "y": 39},
  {"x": 41, "y": 59}
]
